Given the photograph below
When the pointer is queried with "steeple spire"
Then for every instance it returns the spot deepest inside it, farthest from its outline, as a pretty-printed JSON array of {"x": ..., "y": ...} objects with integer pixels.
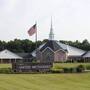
[{"x": 51, "y": 34}]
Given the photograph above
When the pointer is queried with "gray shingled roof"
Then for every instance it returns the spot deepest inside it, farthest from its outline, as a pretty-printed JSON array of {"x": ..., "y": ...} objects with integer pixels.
[{"x": 51, "y": 44}]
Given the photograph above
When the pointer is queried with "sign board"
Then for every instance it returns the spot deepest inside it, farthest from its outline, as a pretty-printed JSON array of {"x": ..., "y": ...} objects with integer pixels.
[{"x": 29, "y": 67}]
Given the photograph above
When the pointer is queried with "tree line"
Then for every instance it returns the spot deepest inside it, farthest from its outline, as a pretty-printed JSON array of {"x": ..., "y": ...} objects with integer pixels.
[
  {"x": 84, "y": 45},
  {"x": 27, "y": 46}
]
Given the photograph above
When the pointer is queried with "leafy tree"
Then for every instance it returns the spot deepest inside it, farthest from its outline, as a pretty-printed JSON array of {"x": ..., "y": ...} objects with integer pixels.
[{"x": 28, "y": 46}]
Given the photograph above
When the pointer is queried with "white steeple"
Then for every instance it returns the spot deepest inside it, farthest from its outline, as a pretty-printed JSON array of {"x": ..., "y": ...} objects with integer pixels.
[{"x": 51, "y": 34}]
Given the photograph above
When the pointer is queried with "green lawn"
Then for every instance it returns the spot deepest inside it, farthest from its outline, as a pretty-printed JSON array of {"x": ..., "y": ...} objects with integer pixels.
[
  {"x": 5, "y": 65},
  {"x": 45, "y": 81}
]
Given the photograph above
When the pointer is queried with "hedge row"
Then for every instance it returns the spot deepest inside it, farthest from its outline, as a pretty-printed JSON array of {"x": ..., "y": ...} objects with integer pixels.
[{"x": 77, "y": 69}]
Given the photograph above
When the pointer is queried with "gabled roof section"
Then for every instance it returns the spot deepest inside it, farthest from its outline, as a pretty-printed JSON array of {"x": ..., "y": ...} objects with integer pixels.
[
  {"x": 51, "y": 44},
  {"x": 34, "y": 52},
  {"x": 6, "y": 54}
]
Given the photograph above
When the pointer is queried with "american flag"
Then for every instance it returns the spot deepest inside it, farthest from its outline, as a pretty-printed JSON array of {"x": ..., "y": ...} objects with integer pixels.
[{"x": 32, "y": 30}]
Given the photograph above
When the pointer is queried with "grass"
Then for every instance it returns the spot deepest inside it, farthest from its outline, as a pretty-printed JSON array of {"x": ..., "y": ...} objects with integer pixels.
[
  {"x": 45, "y": 81},
  {"x": 68, "y": 65},
  {"x": 5, "y": 65}
]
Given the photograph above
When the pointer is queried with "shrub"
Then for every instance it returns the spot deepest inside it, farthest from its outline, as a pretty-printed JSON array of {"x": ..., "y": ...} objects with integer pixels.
[
  {"x": 80, "y": 68},
  {"x": 88, "y": 67},
  {"x": 6, "y": 70},
  {"x": 55, "y": 71},
  {"x": 66, "y": 70},
  {"x": 56, "y": 67},
  {"x": 72, "y": 70}
]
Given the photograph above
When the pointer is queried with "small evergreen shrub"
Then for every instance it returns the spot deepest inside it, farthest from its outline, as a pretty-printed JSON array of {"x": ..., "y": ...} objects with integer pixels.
[
  {"x": 88, "y": 67},
  {"x": 66, "y": 70},
  {"x": 80, "y": 68},
  {"x": 6, "y": 71}
]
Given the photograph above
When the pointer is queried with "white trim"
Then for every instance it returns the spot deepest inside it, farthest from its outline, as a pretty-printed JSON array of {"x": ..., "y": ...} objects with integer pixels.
[
  {"x": 52, "y": 50},
  {"x": 49, "y": 48},
  {"x": 60, "y": 50}
]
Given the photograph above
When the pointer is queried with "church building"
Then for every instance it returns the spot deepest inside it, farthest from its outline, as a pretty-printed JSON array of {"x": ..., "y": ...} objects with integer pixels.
[{"x": 56, "y": 51}]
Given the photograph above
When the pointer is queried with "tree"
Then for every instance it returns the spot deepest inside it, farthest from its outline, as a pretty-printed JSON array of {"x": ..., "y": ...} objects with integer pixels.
[
  {"x": 28, "y": 46},
  {"x": 85, "y": 42},
  {"x": 85, "y": 45}
]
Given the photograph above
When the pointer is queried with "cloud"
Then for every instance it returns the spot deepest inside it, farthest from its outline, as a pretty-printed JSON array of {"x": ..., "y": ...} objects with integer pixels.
[
  {"x": 8, "y": 5},
  {"x": 70, "y": 18}
]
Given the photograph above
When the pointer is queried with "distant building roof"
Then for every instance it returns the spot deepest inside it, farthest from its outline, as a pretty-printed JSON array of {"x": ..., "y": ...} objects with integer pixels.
[
  {"x": 87, "y": 54},
  {"x": 6, "y": 54},
  {"x": 24, "y": 55},
  {"x": 72, "y": 51}
]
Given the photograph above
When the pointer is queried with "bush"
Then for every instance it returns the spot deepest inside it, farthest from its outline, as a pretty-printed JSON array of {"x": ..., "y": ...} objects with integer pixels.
[
  {"x": 88, "y": 67},
  {"x": 55, "y": 71},
  {"x": 80, "y": 68},
  {"x": 6, "y": 70},
  {"x": 72, "y": 70},
  {"x": 66, "y": 70},
  {"x": 56, "y": 67}
]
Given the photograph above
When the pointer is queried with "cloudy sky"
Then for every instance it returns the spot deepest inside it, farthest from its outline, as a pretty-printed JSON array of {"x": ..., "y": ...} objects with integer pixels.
[{"x": 71, "y": 19}]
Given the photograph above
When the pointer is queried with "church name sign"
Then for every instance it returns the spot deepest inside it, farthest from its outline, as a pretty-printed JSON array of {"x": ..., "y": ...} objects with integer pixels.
[{"x": 28, "y": 67}]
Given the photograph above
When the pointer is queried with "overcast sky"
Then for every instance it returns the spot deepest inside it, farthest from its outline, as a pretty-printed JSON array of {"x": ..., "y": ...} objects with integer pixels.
[{"x": 71, "y": 19}]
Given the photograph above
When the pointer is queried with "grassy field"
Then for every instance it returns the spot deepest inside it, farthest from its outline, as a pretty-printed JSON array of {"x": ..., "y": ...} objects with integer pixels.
[{"x": 45, "y": 81}]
